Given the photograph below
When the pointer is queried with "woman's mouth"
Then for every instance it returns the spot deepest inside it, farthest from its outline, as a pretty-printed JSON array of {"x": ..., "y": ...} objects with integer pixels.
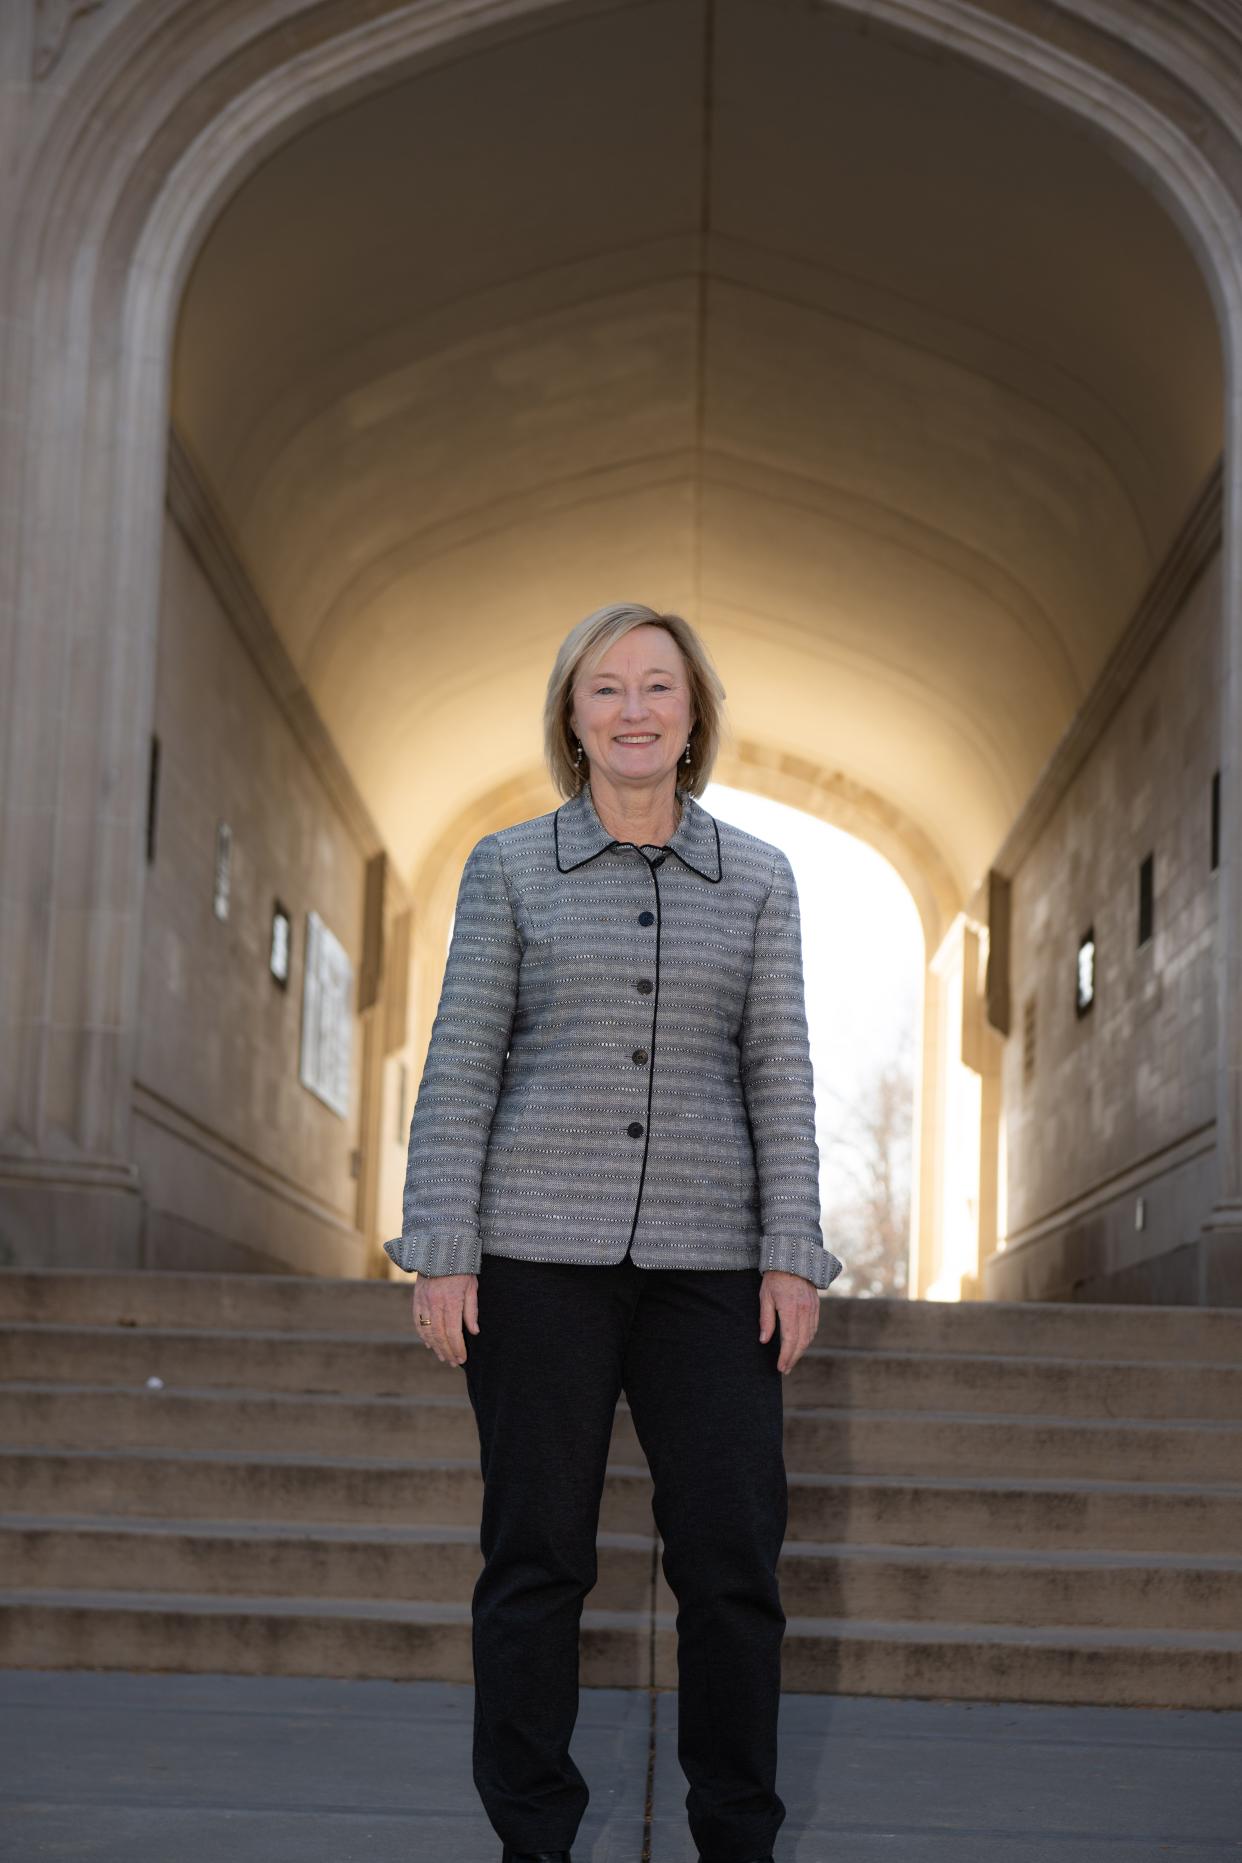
[{"x": 639, "y": 737}]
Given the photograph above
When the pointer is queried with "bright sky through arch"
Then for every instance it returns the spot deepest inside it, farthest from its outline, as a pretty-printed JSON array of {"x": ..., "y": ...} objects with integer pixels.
[{"x": 862, "y": 948}]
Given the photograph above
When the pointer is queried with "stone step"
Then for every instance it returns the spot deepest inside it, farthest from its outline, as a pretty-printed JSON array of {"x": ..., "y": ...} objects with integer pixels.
[
  {"x": 876, "y": 1442},
  {"x": 901, "y": 1510},
  {"x": 441, "y": 1564},
  {"x": 308, "y": 1559},
  {"x": 324, "y": 1364},
  {"x": 394, "y": 1639},
  {"x": 289, "y": 1302},
  {"x": 1005, "y": 1384},
  {"x": 868, "y": 1509},
  {"x": 1035, "y": 1329},
  {"x": 1122, "y": 1668},
  {"x": 946, "y": 1443},
  {"x": 230, "y": 1484},
  {"x": 397, "y": 1639},
  {"x": 984, "y": 1585},
  {"x": 395, "y": 1365},
  {"x": 1009, "y": 1502},
  {"x": 245, "y": 1302}
]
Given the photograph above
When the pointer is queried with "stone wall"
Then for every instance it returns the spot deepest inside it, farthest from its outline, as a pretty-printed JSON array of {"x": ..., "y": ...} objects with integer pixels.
[
  {"x": 241, "y": 1165},
  {"x": 1120, "y": 1103}
]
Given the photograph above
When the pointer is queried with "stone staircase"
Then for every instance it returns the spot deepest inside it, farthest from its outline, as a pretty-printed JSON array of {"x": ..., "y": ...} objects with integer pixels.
[{"x": 1004, "y": 1502}]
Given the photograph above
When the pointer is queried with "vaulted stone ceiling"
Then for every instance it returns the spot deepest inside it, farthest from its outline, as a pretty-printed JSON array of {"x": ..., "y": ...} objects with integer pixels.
[{"x": 892, "y": 377}]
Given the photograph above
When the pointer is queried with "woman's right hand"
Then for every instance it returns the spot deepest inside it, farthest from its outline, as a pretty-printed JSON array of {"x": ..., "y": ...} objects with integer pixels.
[{"x": 441, "y": 1303}]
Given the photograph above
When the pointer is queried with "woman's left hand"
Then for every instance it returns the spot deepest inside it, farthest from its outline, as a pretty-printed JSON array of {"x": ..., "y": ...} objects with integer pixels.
[{"x": 796, "y": 1300}]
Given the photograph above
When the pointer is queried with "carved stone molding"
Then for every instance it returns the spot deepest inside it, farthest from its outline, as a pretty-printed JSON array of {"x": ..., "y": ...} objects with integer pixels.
[{"x": 54, "y": 21}]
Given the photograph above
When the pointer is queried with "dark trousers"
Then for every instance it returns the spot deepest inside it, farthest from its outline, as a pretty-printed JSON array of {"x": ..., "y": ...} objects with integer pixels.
[{"x": 558, "y": 1343}]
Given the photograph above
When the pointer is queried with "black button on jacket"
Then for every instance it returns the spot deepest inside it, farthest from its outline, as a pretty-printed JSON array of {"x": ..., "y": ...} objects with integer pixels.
[{"x": 522, "y": 1141}]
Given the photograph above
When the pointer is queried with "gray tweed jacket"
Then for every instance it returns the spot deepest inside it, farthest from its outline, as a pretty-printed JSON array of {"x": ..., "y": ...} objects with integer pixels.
[{"x": 619, "y": 1059}]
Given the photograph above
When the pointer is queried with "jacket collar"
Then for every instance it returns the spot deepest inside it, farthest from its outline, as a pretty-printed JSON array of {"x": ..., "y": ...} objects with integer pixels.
[{"x": 579, "y": 834}]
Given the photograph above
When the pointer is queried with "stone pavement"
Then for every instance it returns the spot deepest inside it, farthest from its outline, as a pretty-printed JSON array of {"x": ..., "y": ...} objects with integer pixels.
[{"x": 145, "y": 1768}]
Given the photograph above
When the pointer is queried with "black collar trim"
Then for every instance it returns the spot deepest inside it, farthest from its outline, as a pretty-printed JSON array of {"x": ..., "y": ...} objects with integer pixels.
[{"x": 579, "y": 836}]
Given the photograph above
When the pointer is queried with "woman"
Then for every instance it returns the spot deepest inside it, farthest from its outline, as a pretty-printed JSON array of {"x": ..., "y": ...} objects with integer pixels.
[{"x": 613, "y": 1185}]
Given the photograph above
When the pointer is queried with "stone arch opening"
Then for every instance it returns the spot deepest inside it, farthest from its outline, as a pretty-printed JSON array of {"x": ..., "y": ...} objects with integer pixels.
[{"x": 116, "y": 320}]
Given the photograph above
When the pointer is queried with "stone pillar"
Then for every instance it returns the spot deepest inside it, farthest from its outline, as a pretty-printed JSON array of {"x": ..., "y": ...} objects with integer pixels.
[
  {"x": 80, "y": 504},
  {"x": 72, "y": 833},
  {"x": 925, "y": 1228},
  {"x": 958, "y": 1128}
]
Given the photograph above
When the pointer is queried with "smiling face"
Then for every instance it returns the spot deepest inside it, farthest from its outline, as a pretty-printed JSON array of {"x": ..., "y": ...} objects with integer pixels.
[{"x": 633, "y": 711}]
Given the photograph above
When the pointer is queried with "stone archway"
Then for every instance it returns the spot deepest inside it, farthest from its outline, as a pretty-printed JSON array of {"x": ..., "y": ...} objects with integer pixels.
[{"x": 132, "y": 149}]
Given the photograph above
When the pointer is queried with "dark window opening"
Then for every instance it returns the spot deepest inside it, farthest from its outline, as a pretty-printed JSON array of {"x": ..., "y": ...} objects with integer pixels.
[
  {"x": 153, "y": 792},
  {"x": 1146, "y": 907}
]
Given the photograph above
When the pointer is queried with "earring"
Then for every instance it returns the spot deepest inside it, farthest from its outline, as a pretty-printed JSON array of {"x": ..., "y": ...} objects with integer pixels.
[
  {"x": 686, "y": 758},
  {"x": 578, "y": 757}
]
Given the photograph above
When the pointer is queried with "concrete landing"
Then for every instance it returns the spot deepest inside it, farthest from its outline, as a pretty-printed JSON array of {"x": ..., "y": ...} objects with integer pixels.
[{"x": 123, "y": 1768}]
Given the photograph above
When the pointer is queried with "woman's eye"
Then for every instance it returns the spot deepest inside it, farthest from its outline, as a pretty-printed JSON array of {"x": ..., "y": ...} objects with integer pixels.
[{"x": 658, "y": 686}]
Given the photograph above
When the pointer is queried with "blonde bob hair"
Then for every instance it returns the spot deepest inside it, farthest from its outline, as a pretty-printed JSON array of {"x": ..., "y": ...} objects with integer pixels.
[{"x": 584, "y": 646}]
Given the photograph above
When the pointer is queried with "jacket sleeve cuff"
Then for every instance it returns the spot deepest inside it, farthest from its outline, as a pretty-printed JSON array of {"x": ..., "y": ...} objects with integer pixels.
[
  {"x": 445, "y": 1251},
  {"x": 795, "y": 1255}
]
